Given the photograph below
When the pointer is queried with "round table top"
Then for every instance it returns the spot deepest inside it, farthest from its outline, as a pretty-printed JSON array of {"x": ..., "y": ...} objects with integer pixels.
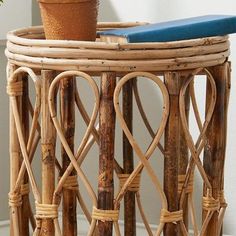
[{"x": 28, "y": 47}]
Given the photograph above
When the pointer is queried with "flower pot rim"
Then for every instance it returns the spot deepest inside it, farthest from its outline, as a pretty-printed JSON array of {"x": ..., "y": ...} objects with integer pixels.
[{"x": 63, "y": 1}]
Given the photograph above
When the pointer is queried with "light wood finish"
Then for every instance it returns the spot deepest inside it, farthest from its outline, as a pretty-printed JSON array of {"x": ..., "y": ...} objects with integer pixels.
[
  {"x": 105, "y": 56},
  {"x": 77, "y": 158},
  {"x": 179, "y": 63},
  {"x": 15, "y": 157},
  {"x": 210, "y": 203},
  {"x": 166, "y": 216},
  {"x": 27, "y": 149}
]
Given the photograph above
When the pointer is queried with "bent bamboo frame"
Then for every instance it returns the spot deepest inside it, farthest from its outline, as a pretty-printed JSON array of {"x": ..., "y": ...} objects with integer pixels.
[
  {"x": 27, "y": 47},
  {"x": 74, "y": 159},
  {"x": 23, "y": 47}
]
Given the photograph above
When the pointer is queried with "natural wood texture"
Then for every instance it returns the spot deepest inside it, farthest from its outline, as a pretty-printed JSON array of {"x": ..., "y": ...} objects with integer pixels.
[
  {"x": 172, "y": 148},
  {"x": 214, "y": 154},
  {"x": 77, "y": 158},
  {"x": 109, "y": 56},
  {"x": 106, "y": 152},
  {"x": 121, "y": 65},
  {"x": 112, "y": 59},
  {"x": 128, "y": 162},
  {"x": 166, "y": 216},
  {"x": 67, "y": 111},
  {"x": 48, "y": 142},
  {"x": 121, "y": 54},
  {"x": 25, "y": 211},
  {"x": 209, "y": 203},
  {"x": 27, "y": 149},
  {"x": 15, "y": 159},
  {"x": 184, "y": 153}
]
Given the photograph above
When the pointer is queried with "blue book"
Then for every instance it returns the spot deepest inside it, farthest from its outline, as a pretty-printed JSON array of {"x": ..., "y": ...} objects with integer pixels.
[{"x": 190, "y": 28}]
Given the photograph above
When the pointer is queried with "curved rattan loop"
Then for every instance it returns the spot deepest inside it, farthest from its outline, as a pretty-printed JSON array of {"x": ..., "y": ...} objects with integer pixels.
[
  {"x": 70, "y": 154},
  {"x": 129, "y": 135},
  {"x": 27, "y": 149},
  {"x": 95, "y": 131},
  {"x": 142, "y": 213},
  {"x": 196, "y": 149},
  {"x": 144, "y": 157},
  {"x": 143, "y": 114}
]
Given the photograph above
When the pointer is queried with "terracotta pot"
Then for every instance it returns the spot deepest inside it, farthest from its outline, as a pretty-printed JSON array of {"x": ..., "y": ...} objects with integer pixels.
[{"x": 69, "y": 19}]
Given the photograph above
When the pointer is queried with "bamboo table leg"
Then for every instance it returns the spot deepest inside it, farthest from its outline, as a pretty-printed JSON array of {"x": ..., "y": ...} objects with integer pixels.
[
  {"x": 25, "y": 124},
  {"x": 48, "y": 142},
  {"x": 172, "y": 149},
  {"x": 128, "y": 162},
  {"x": 106, "y": 153},
  {"x": 214, "y": 155},
  {"x": 15, "y": 160},
  {"x": 184, "y": 158},
  {"x": 67, "y": 109}
]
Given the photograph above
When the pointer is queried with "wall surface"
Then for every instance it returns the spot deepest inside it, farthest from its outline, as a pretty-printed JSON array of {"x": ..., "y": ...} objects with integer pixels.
[
  {"x": 151, "y": 11},
  {"x": 4, "y": 159},
  {"x": 21, "y": 10}
]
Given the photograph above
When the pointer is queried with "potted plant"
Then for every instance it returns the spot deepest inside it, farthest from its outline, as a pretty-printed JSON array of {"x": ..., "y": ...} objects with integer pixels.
[{"x": 69, "y": 19}]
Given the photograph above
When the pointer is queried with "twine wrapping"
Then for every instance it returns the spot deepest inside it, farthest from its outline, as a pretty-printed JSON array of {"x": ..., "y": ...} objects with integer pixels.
[
  {"x": 71, "y": 183},
  {"x": 15, "y": 88},
  {"x": 15, "y": 199},
  {"x": 222, "y": 200},
  {"x": 133, "y": 186},
  {"x": 210, "y": 203},
  {"x": 24, "y": 189},
  {"x": 46, "y": 211},
  {"x": 189, "y": 187},
  {"x": 105, "y": 215},
  {"x": 47, "y": 149},
  {"x": 171, "y": 217}
]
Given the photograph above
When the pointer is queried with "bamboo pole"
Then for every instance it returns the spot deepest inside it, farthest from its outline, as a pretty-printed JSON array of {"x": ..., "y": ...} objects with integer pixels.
[
  {"x": 119, "y": 55},
  {"x": 172, "y": 149},
  {"x": 25, "y": 211},
  {"x": 15, "y": 160},
  {"x": 106, "y": 153},
  {"x": 214, "y": 153},
  {"x": 123, "y": 65},
  {"x": 67, "y": 111},
  {"x": 128, "y": 161},
  {"x": 48, "y": 142},
  {"x": 184, "y": 154}
]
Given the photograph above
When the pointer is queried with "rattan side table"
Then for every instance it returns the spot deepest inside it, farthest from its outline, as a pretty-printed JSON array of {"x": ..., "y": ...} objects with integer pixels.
[{"x": 54, "y": 67}]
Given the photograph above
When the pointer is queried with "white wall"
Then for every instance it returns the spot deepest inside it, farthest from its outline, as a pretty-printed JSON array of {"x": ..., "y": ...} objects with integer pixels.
[
  {"x": 4, "y": 158},
  {"x": 14, "y": 14}
]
